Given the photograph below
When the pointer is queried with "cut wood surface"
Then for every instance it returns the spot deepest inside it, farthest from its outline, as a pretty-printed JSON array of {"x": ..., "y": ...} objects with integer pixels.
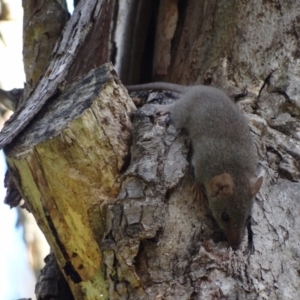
[{"x": 68, "y": 163}]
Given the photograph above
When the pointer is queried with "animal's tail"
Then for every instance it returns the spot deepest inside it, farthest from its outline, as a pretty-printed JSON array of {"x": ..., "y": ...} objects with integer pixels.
[{"x": 165, "y": 86}]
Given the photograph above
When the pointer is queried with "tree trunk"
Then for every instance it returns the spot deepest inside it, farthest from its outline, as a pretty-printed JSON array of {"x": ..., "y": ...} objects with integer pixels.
[{"x": 147, "y": 233}]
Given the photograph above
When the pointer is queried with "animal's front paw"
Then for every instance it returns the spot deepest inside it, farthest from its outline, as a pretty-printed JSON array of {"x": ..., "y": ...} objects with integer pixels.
[{"x": 162, "y": 110}]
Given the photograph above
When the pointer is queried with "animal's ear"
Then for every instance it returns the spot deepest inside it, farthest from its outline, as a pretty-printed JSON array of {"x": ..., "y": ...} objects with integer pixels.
[
  {"x": 221, "y": 184},
  {"x": 255, "y": 185}
]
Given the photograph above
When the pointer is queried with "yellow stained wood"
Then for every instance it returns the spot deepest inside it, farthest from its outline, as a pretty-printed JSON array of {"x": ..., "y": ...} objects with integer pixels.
[{"x": 66, "y": 177}]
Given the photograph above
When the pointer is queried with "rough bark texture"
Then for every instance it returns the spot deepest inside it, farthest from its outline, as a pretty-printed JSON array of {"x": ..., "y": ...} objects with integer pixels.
[
  {"x": 250, "y": 50},
  {"x": 68, "y": 164},
  {"x": 97, "y": 48},
  {"x": 160, "y": 238},
  {"x": 53, "y": 80},
  {"x": 40, "y": 34},
  {"x": 159, "y": 241},
  {"x": 51, "y": 282}
]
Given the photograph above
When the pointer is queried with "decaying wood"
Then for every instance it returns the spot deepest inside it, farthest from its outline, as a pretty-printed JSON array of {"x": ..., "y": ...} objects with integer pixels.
[
  {"x": 68, "y": 163},
  {"x": 63, "y": 56}
]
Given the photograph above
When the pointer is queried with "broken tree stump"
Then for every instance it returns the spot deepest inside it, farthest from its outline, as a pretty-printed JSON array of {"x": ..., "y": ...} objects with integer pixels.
[{"x": 67, "y": 163}]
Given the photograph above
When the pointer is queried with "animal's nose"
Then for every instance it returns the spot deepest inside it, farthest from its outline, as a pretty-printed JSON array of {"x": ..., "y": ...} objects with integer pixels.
[{"x": 234, "y": 240}]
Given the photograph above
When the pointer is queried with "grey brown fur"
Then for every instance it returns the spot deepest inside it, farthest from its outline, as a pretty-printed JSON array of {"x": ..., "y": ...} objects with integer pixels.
[{"x": 224, "y": 156}]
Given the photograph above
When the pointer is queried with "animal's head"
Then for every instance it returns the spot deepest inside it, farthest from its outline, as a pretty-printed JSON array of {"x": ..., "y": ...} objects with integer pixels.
[{"x": 231, "y": 205}]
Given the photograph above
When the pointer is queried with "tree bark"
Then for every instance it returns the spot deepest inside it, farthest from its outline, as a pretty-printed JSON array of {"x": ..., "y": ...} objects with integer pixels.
[
  {"x": 40, "y": 35},
  {"x": 156, "y": 237},
  {"x": 69, "y": 171},
  {"x": 250, "y": 51},
  {"x": 54, "y": 78}
]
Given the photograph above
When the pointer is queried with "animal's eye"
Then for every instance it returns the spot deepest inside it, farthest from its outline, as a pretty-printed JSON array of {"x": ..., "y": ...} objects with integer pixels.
[{"x": 225, "y": 216}]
